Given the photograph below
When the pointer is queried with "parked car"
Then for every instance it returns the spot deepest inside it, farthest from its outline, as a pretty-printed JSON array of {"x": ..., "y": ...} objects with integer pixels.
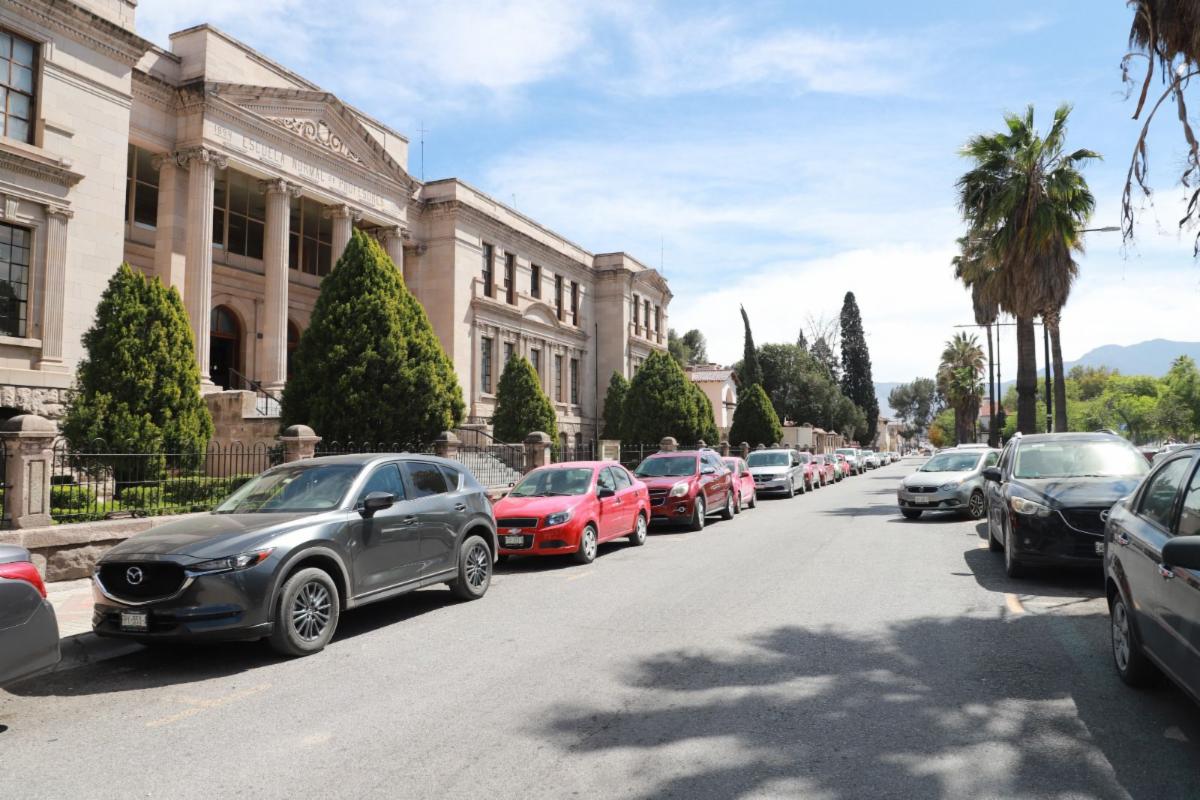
[
  {"x": 1164, "y": 451},
  {"x": 1048, "y": 497},
  {"x": 284, "y": 555},
  {"x": 572, "y": 508},
  {"x": 871, "y": 459},
  {"x": 1152, "y": 575},
  {"x": 812, "y": 473},
  {"x": 846, "y": 465},
  {"x": 825, "y": 470},
  {"x": 854, "y": 456},
  {"x": 777, "y": 471},
  {"x": 745, "y": 495},
  {"x": 835, "y": 466},
  {"x": 950, "y": 481},
  {"x": 28, "y": 627},
  {"x": 685, "y": 487}
]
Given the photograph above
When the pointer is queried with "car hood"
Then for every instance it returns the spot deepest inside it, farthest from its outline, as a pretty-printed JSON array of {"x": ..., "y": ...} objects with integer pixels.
[
  {"x": 665, "y": 482},
  {"x": 769, "y": 470},
  {"x": 936, "y": 478},
  {"x": 535, "y": 506},
  {"x": 1072, "y": 492},
  {"x": 202, "y": 537}
]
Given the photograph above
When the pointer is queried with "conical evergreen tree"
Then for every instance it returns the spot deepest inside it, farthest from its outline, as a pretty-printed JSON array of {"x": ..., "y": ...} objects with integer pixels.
[
  {"x": 138, "y": 387},
  {"x": 750, "y": 373},
  {"x": 802, "y": 342},
  {"x": 369, "y": 367},
  {"x": 521, "y": 405},
  {"x": 614, "y": 405},
  {"x": 754, "y": 419},
  {"x": 857, "y": 383},
  {"x": 661, "y": 403}
]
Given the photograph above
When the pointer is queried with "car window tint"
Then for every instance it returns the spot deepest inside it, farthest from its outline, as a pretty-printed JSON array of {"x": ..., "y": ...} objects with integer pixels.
[
  {"x": 1158, "y": 498},
  {"x": 1189, "y": 516},
  {"x": 991, "y": 460},
  {"x": 1006, "y": 457},
  {"x": 605, "y": 481},
  {"x": 384, "y": 479},
  {"x": 453, "y": 477},
  {"x": 622, "y": 477},
  {"x": 425, "y": 479}
]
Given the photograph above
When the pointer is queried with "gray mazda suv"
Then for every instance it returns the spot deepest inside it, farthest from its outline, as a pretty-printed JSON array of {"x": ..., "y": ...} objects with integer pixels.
[{"x": 291, "y": 549}]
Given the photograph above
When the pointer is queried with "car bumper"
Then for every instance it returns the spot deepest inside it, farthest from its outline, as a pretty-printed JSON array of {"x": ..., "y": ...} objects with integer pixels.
[
  {"x": 1049, "y": 540},
  {"x": 954, "y": 500},
  {"x": 31, "y": 647},
  {"x": 769, "y": 487},
  {"x": 672, "y": 510},
  {"x": 546, "y": 542}
]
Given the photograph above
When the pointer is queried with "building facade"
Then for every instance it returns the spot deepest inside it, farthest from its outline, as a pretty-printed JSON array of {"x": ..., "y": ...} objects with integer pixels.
[
  {"x": 720, "y": 385},
  {"x": 239, "y": 183}
]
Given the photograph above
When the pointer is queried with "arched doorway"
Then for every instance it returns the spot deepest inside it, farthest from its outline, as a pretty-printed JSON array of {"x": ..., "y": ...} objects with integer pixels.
[
  {"x": 293, "y": 338},
  {"x": 225, "y": 347}
]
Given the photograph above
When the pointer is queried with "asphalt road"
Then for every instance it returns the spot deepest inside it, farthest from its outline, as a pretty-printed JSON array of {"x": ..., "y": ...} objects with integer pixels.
[{"x": 815, "y": 647}]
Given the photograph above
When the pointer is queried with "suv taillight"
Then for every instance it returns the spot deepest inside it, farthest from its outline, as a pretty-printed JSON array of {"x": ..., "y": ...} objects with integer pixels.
[{"x": 23, "y": 571}]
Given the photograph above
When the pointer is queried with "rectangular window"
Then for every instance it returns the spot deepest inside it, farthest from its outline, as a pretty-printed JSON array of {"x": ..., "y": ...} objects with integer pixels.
[
  {"x": 535, "y": 358},
  {"x": 646, "y": 316},
  {"x": 558, "y": 378},
  {"x": 16, "y": 86},
  {"x": 310, "y": 237},
  {"x": 14, "y": 280},
  {"x": 508, "y": 353},
  {"x": 658, "y": 319},
  {"x": 241, "y": 209},
  {"x": 489, "y": 278},
  {"x": 637, "y": 312},
  {"x": 141, "y": 188},
  {"x": 485, "y": 364},
  {"x": 574, "y": 303},
  {"x": 510, "y": 279},
  {"x": 575, "y": 381},
  {"x": 535, "y": 281},
  {"x": 558, "y": 296}
]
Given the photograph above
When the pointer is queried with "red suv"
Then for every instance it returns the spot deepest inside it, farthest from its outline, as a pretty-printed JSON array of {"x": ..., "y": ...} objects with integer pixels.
[{"x": 685, "y": 487}]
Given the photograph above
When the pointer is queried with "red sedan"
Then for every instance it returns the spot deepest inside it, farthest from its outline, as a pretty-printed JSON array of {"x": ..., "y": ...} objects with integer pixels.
[
  {"x": 570, "y": 509},
  {"x": 826, "y": 469},
  {"x": 743, "y": 484}
]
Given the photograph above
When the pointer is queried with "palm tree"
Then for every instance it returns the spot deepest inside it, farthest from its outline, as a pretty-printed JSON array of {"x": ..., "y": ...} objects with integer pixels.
[
  {"x": 959, "y": 381},
  {"x": 1027, "y": 201},
  {"x": 976, "y": 270}
]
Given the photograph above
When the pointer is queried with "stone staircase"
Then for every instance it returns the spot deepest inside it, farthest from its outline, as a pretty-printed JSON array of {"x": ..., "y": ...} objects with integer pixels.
[{"x": 488, "y": 469}]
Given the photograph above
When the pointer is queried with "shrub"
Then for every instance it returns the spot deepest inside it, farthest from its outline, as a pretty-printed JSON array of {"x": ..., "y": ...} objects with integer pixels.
[
  {"x": 754, "y": 419},
  {"x": 521, "y": 405},
  {"x": 614, "y": 404},
  {"x": 662, "y": 402},
  {"x": 71, "y": 497},
  {"x": 142, "y": 498}
]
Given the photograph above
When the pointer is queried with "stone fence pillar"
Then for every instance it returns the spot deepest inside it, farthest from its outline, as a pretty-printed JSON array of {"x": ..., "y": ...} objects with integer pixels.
[
  {"x": 537, "y": 450},
  {"x": 724, "y": 449},
  {"x": 299, "y": 442},
  {"x": 28, "y": 464},
  {"x": 446, "y": 445},
  {"x": 668, "y": 444},
  {"x": 610, "y": 449},
  {"x": 745, "y": 448},
  {"x": 701, "y": 444}
]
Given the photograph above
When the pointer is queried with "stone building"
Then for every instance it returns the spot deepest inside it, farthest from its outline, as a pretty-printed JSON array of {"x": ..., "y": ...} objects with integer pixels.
[
  {"x": 239, "y": 182},
  {"x": 720, "y": 385}
]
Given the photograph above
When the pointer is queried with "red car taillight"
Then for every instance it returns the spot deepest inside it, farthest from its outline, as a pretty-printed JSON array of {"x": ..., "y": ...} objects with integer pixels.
[{"x": 23, "y": 571}]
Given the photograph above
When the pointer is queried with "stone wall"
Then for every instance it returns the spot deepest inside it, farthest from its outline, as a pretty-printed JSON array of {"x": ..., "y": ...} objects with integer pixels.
[
  {"x": 48, "y": 403},
  {"x": 236, "y": 421}
]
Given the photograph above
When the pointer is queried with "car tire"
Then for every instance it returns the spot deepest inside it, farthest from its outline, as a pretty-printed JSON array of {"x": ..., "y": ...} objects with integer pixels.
[
  {"x": 589, "y": 545},
  {"x": 1132, "y": 665},
  {"x": 737, "y": 503},
  {"x": 976, "y": 505},
  {"x": 753, "y": 500},
  {"x": 993, "y": 543},
  {"x": 638, "y": 537},
  {"x": 698, "y": 512},
  {"x": 1012, "y": 567},
  {"x": 474, "y": 569},
  {"x": 502, "y": 558},
  {"x": 306, "y": 613},
  {"x": 911, "y": 513},
  {"x": 728, "y": 512}
]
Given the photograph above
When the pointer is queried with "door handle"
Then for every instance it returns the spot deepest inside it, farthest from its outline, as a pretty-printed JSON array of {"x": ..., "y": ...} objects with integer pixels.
[
  {"x": 460, "y": 507},
  {"x": 410, "y": 520},
  {"x": 616, "y": 501},
  {"x": 1123, "y": 539},
  {"x": 1165, "y": 572}
]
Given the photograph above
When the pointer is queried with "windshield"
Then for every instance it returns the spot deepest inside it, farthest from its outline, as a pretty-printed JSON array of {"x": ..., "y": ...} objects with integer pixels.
[
  {"x": 846, "y": 452},
  {"x": 765, "y": 459},
  {"x": 554, "y": 482},
  {"x": 1079, "y": 459},
  {"x": 292, "y": 489},
  {"x": 667, "y": 467},
  {"x": 951, "y": 462}
]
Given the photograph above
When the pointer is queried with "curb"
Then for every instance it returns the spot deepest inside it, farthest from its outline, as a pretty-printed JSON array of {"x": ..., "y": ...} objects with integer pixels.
[{"x": 83, "y": 649}]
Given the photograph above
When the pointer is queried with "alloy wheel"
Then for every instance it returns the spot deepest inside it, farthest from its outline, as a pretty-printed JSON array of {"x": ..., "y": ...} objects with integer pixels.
[
  {"x": 478, "y": 565},
  {"x": 975, "y": 505},
  {"x": 310, "y": 611},
  {"x": 639, "y": 534},
  {"x": 1120, "y": 635},
  {"x": 589, "y": 542}
]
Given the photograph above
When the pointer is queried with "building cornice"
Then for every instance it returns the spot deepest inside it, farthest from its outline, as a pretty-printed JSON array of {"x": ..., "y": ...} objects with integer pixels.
[
  {"x": 35, "y": 165},
  {"x": 491, "y": 312},
  {"x": 86, "y": 28}
]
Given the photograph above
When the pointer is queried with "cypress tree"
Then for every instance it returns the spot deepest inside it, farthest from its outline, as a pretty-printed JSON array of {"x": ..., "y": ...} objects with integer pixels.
[
  {"x": 614, "y": 404},
  {"x": 857, "y": 383},
  {"x": 750, "y": 372},
  {"x": 661, "y": 403},
  {"x": 138, "y": 386},
  {"x": 521, "y": 405},
  {"x": 801, "y": 342},
  {"x": 369, "y": 367},
  {"x": 754, "y": 419}
]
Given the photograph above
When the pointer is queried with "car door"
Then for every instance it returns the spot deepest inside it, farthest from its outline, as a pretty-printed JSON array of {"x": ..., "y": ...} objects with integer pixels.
[
  {"x": 611, "y": 507},
  {"x": 718, "y": 486},
  {"x": 1178, "y": 605},
  {"x": 627, "y": 493},
  {"x": 997, "y": 509},
  {"x": 386, "y": 546},
  {"x": 433, "y": 507}
]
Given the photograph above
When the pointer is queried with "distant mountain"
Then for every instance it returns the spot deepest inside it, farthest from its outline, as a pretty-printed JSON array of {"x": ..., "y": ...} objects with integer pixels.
[{"x": 1145, "y": 358}]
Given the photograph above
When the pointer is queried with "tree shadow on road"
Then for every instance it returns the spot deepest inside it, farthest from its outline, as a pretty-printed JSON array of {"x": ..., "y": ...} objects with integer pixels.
[{"x": 937, "y": 708}]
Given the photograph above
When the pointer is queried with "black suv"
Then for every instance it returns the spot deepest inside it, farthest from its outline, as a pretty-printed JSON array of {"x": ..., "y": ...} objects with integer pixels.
[
  {"x": 1049, "y": 495},
  {"x": 1152, "y": 575}
]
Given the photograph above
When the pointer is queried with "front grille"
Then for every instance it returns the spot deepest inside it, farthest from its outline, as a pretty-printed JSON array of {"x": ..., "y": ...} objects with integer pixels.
[
  {"x": 1085, "y": 519},
  {"x": 158, "y": 579},
  {"x": 658, "y": 492},
  {"x": 517, "y": 522},
  {"x": 922, "y": 489},
  {"x": 658, "y": 501}
]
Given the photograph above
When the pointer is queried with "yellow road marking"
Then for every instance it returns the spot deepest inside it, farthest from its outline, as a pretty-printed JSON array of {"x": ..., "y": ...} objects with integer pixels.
[
  {"x": 1014, "y": 603},
  {"x": 199, "y": 705}
]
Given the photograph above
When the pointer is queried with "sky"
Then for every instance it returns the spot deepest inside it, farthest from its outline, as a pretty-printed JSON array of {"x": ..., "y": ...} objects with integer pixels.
[{"x": 770, "y": 154}]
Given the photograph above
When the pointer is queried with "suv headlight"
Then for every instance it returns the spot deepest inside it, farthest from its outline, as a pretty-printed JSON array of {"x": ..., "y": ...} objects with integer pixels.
[
  {"x": 231, "y": 563},
  {"x": 949, "y": 486},
  {"x": 1029, "y": 508},
  {"x": 558, "y": 518},
  {"x": 679, "y": 489}
]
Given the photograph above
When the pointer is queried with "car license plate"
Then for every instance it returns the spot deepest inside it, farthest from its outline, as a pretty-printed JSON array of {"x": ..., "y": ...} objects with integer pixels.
[
  {"x": 921, "y": 501},
  {"x": 1099, "y": 548},
  {"x": 514, "y": 541},
  {"x": 135, "y": 621}
]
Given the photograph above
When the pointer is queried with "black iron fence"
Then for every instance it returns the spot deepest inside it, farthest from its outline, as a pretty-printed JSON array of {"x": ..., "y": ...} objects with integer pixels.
[
  {"x": 492, "y": 462},
  {"x": 102, "y": 482},
  {"x": 574, "y": 451}
]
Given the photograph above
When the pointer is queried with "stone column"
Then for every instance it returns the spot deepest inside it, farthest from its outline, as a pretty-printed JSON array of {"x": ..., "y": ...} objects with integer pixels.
[
  {"x": 55, "y": 288},
  {"x": 393, "y": 243},
  {"x": 169, "y": 262},
  {"x": 446, "y": 445},
  {"x": 537, "y": 450},
  {"x": 202, "y": 165},
  {"x": 343, "y": 223},
  {"x": 668, "y": 444},
  {"x": 273, "y": 372},
  {"x": 29, "y": 460},
  {"x": 299, "y": 442}
]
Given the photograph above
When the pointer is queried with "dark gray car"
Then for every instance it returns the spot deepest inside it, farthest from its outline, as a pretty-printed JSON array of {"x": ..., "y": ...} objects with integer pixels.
[
  {"x": 286, "y": 553},
  {"x": 28, "y": 627}
]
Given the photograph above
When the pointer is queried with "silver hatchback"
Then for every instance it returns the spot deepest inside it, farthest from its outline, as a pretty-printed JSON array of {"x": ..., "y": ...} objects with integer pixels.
[{"x": 950, "y": 481}]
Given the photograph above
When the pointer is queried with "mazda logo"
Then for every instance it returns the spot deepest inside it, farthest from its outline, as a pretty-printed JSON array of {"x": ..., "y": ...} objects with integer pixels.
[
  {"x": 1104, "y": 516},
  {"x": 134, "y": 576}
]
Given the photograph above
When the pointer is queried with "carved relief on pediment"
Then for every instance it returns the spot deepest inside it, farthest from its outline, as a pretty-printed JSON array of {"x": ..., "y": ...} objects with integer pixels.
[{"x": 319, "y": 133}]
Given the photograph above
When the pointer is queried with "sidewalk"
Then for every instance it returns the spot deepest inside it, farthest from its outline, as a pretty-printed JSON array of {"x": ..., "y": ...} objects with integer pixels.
[{"x": 72, "y": 601}]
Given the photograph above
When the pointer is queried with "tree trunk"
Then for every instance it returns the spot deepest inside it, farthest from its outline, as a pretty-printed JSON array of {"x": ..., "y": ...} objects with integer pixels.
[
  {"x": 1060, "y": 382},
  {"x": 1026, "y": 376},
  {"x": 993, "y": 429}
]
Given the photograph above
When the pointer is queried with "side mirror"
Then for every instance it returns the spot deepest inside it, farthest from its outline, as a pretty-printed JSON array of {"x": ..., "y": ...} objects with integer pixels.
[
  {"x": 376, "y": 501},
  {"x": 708, "y": 471},
  {"x": 606, "y": 492},
  {"x": 1182, "y": 551},
  {"x": 992, "y": 474}
]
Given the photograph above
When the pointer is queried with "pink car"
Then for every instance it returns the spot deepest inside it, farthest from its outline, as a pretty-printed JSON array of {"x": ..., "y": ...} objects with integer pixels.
[{"x": 743, "y": 484}]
